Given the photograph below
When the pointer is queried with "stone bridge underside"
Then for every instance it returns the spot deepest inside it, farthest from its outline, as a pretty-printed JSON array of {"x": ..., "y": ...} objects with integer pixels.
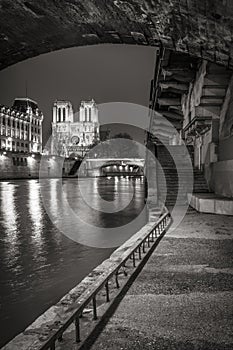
[{"x": 202, "y": 28}]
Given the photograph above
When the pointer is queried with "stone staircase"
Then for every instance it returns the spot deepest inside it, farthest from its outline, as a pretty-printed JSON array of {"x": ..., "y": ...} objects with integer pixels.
[
  {"x": 167, "y": 176},
  {"x": 214, "y": 88}
]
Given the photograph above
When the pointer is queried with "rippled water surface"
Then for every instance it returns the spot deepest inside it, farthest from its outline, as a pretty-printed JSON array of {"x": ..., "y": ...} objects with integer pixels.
[{"x": 38, "y": 263}]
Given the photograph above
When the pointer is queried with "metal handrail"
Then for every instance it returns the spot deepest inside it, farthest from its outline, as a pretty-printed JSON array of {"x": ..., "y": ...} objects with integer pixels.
[{"x": 155, "y": 232}]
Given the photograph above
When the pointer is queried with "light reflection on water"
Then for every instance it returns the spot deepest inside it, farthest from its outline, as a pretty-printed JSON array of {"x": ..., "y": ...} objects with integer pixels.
[
  {"x": 9, "y": 221},
  {"x": 38, "y": 264},
  {"x": 35, "y": 211}
]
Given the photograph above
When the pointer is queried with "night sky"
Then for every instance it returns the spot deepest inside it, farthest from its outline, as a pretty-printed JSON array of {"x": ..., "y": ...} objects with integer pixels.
[{"x": 107, "y": 73}]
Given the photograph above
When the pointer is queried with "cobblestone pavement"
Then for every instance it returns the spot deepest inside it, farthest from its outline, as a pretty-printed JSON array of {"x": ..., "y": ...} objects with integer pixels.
[{"x": 183, "y": 297}]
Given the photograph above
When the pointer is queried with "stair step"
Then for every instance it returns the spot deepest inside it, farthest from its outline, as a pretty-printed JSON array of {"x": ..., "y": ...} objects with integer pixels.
[
  {"x": 214, "y": 91},
  {"x": 211, "y": 101},
  {"x": 216, "y": 79},
  {"x": 217, "y": 69},
  {"x": 169, "y": 183}
]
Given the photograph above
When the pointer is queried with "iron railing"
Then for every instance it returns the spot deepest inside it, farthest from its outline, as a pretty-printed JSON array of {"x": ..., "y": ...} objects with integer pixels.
[{"x": 135, "y": 253}]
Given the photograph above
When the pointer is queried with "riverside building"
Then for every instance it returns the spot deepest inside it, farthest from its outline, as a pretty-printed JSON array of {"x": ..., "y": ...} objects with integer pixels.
[{"x": 21, "y": 127}]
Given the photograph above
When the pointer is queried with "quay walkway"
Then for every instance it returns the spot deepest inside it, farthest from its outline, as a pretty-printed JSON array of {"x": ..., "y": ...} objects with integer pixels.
[{"x": 182, "y": 299}]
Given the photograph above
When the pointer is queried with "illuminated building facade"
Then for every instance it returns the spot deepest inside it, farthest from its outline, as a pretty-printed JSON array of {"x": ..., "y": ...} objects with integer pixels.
[
  {"x": 73, "y": 134},
  {"x": 21, "y": 127}
]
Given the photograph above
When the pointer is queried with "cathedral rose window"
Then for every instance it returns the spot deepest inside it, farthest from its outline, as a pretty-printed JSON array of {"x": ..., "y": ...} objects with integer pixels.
[{"x": 75, "y": 140}]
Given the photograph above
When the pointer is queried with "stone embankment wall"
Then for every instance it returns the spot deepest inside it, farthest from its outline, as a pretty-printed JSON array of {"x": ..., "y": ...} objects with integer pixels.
[
  {"x": 24, "y": 166},
  {"x": 212, "y": 148},
  {"x": 223, "y": 169}
]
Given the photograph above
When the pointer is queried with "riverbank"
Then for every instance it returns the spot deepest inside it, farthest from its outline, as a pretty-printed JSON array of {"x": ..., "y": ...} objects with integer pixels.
[{"x": 182, "y": 299}]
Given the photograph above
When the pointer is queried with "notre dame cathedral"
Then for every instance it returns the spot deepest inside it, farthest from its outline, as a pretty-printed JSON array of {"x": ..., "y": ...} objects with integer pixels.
[{"x": 73, "y": 134}]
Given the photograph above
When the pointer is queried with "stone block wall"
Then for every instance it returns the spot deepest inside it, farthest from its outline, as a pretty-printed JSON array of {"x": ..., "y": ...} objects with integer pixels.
[
  {"x": 226, "y": 116},
  {"x": 18, "y": 166},
  {"x": 222, "y": 178},
  {"x": 201, "y": 28},
  {"x": 24, "y": 166}
]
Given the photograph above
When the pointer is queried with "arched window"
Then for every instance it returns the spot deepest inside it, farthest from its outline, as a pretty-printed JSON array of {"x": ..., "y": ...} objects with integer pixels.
[
  {"x": 85, "y": 114},
  {"x": 59, "y": 114},
  {"x": 89, "y": 114},
  {"x": 64, "y": 114}
]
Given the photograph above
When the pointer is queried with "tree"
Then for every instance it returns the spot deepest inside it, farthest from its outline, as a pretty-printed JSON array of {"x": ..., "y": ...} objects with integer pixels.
[{"x": 123, "y": 146}]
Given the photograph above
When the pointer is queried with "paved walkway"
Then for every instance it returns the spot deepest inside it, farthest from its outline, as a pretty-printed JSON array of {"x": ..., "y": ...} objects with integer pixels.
[{"x": 183, "y": 299}]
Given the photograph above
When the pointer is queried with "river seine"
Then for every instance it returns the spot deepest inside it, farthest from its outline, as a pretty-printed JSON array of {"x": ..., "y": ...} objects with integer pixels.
[{"x": 38, "y": 263}]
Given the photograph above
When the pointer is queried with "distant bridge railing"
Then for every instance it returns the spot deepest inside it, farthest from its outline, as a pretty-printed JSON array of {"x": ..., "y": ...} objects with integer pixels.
[{"x": 136, "y": 254}]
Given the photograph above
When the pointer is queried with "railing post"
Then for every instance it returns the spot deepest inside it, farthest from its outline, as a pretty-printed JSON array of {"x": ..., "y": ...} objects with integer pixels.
[
  {"x": 148, "y": 241},
  {"x": 107, "y": 292},
  {"x": 94, "y": 308},
  {"x": 117, "y": 282},
  {"x": 77, "y": 329},
  {"x": 143, "y": 247},
  {"x": 134, "y": 259},
  {"x": 139, "y": 252}
]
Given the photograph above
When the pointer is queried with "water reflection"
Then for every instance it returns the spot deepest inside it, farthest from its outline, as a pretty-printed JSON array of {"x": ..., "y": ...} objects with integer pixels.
[
  {"x": 9, "y": 236},
  {"x": 35, "y": 211},
  {"x": 53, "y": 190},
  {"x": 38, "y": 264}
]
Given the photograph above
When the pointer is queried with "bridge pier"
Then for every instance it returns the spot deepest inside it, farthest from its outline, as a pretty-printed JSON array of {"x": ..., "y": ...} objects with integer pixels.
[{"x": 191, "y": 98}]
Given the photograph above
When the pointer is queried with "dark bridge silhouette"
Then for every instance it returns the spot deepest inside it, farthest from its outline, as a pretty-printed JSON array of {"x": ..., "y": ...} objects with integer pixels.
[{"x": 201, "y": 28}]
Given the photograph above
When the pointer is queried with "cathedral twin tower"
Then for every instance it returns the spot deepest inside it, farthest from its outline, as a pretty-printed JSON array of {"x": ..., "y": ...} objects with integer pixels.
[{"x": 74, "y": 133}]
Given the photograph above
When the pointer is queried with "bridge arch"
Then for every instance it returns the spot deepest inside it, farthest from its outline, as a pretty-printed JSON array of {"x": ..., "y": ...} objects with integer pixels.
[
  {"x": 122, "y": 168},
  {"x": 201, "y": 28}
]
